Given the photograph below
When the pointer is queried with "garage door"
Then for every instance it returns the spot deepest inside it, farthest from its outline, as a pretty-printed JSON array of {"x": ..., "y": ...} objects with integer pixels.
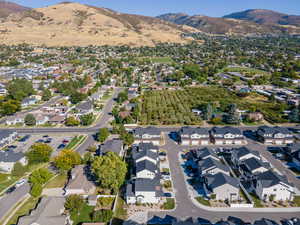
[
  {"x": 204, "y": 143},
  {"x": 185, "y": 143},
  {"x": 195, "y": 142},
  {"x": 278, "y": 142}
]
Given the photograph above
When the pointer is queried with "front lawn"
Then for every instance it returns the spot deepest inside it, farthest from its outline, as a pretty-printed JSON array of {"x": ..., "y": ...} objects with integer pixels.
[
  {"x": 257, "y": 201},
  {"x": 297, "y": 201},
  {"x": 170, "y": 204},
  {"x": 202, "y": 201},
  {"x": 6, "y": 180},
  {"x": 57, "y": 182},
  {"x": 84, "y": 215}
]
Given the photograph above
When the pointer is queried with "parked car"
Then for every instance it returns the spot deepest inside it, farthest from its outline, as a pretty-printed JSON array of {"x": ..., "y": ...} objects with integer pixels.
[
  {"x": 49, "y": 140},
  {"x": 61, "y": 146},
  {"x": 10, "y": 190},
  {"x": 40, "y": 141},
  {"x": 168, "y": 195},
  {"x": 45, "y": 136},
  {"x": 25, "y": 138},
  {"x": 21, "y": 182},
  {"x": 165, "y": 177},
  {"x": 65, "y": 141}
]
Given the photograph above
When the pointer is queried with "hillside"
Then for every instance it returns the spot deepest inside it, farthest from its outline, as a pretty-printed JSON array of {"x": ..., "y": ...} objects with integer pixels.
[
  {"x": 7, "y": 8},
  {"x": 228, "y": 25},
  {"x": 68, "y": 24},
  {"x": 262, "y": 16}
]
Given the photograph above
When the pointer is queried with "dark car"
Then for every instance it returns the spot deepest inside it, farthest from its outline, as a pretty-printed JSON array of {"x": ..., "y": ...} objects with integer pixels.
[
  {"x": 49, "y": 140},
  {"x": 45, "y": 136},
  {"x": 168, "y": 195},
  {"x": 61, "y": 146},
  {"x": 10, "y": 190},
  {"x": 25, "y": 138},
  {"x": 40, "y": 141},
  {"x": 65, "y": 141}
]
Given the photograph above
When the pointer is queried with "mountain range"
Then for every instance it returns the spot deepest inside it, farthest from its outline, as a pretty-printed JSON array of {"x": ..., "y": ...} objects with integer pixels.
[{"x": 68, "y": 24}]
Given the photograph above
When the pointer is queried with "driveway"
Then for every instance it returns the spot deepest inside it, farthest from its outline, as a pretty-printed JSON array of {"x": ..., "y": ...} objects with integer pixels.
[{"x": 185, "y": 206}]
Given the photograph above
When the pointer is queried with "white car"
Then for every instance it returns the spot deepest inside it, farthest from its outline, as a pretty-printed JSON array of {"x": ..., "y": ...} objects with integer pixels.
[{"x": 21, "y": 182}]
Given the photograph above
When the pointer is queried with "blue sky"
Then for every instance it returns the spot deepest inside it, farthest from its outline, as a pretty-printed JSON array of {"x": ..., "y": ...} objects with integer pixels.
[{"x": 215, "y": 8}]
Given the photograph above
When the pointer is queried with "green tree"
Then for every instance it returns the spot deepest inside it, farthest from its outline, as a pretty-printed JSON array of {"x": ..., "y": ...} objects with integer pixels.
[
  {"x": 72, "y": 122},
  {"x": 74, "y": 203},
  {"x": 67, "y": 159},
  {"x": 46, "y": 95},
  {"x": 122, "y": 97},
  {"x": 36, "y": 190},
  {"x": 77, "y": 97},
  {"x": 127, "y": 138},
  {"x": 40, "y": 176},
  {"x": 39, "y": 153},
  {"x": 87, "y": 120},
  {"x": 102, "y": 134},
  {"x": 18, "y": 89},
  {"x": 110, "y": 170},
  {"x": 30, "y": 120},
  {"x": 18, "y": 170},
  {"x": 10, "y": 107},
  {"x": 294, "y": 115}
]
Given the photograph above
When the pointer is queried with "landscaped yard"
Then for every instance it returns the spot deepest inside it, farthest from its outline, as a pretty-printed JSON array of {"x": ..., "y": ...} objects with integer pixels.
[
  {"x": 57, "y": 182},
  {"x": 75, "y": 141},
  {"x": 6, "y": 180},
  {"x": 297, "y": 201},
  {"x": 169, "y": 204},
  {"x": 202, "y": 201},
  {"x": 84, "y": 215},
  {"x": 171, "y": 107}
]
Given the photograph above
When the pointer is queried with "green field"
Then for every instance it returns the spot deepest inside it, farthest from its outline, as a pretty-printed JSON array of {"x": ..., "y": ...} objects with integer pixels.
[
  {"x": 163, "y": 60},
  {"x": 246, "y": 71}
]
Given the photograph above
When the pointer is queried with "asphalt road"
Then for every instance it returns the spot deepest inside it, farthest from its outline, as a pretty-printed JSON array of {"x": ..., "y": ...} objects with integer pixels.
[
  {"x": 186, "y": 208},
  {"x": 8, "y": 201}
]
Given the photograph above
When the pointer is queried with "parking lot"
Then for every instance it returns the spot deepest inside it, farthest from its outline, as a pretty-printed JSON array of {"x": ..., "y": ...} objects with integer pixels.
[{"x": 57, "y": 142}]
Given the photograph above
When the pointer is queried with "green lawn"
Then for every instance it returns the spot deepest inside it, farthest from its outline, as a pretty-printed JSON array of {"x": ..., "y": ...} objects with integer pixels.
[
  {"x": 120, "y": 212},
  {"x": 297, "y": 201},
  {"x": 202, "y": 201},
  {"x": 246, "y": 70},
  {"x": 164, "y": 60},
  {"x": 6, "y": 180},
  {"x": 24, "y": 210},
  {"x": 170, "y": 204},
  {"x": 57, "y": 182},
  {"x": 84, "y": 216},
  {"x": 75, "y": 141}
]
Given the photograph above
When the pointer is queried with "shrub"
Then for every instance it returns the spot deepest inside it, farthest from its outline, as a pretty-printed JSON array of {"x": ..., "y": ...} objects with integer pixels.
[
  {"x": 36, "y": 190},
  {"x": 102, "y": 216}
]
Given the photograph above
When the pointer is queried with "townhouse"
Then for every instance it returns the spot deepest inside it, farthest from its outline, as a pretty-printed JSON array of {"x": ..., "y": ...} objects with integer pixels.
[
  {"x": 270, "y": 186},
  {"x": 222, "y": 187},
  {"x": 238, "y": 155},
  {"x": 147, "y": 135},
  {"x": 212, "y": 166},
  {"x": 274, "y": 135},
  {"x": 227, "y": 136},
  {"x": 194, "y": 136},
  {"x": 203, "y": 154},
  {"x": 254, "y": 166},
  {"x": 144, "y": 186}
]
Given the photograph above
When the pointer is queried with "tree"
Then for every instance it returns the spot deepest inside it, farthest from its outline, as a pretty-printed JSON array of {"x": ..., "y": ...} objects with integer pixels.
[
  {"x": 127, "y": 138},
  {"x": 18, "y": 89},
  {"x": 88, "y": 158},
  {"x": 40, "y": 176},
  {"x": 10, "y": 107},
  {"x": 102, "y": 135},
  {"x": 39, "y": 153},
  {"x": 30, "y": 120},
  {"x": 110, "y": 170},
  {"x": 36, "y": 190},
  {"x": 72, "y": 122},
  {"x": 207, "y": 112},
  {"x": 67, "y": 159},
  {"x": 232, "y": 117},
  {"x": 77, "y": 97},
  {"x": 294, "y": 115},
  {"x": 18, "y": 170},
  {"x": 74, "y": 203},
  {"x": 46, "y": 95},
  {"x": 87, "y": 120},
  {"x": 122, "y": 97}
]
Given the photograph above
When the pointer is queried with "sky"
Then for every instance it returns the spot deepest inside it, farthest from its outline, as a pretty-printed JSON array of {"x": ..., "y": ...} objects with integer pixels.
[{"x": 215, "y": 8}]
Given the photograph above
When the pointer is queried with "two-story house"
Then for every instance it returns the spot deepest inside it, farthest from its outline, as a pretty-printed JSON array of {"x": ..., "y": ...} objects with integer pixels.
[
  {"x": 194, "y": 136},
  {"x": 147, "y": 135},
  {"x": 274, "y": 135},
  {"x": 212, "y": 166},
  {"x": 227, "y": 136},
  {"x": 240, "y": 154}
]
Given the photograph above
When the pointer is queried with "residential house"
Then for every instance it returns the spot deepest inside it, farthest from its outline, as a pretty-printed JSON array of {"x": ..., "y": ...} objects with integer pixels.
[
  {"x": 194, "y": 136},
  {"x": 271, "y": 186},
  {"x": 227, "y": 136},
  {"x": 41, "y": 119},
  {"x": 3, "y": 91},
  {"x": 113, "y": 145},
  {"x": 222, "y": 186},
  {"x": 50, "y": 210},
  {"x": 9, "y": 158},
  {"x": 28, "y": 102},
  {"x": 240, "y": 154},
  {"x": 79, "y": 182},
  {"x": 212, "y": 166},
  {"x": 253, "y": 166},
  {"x": 144, "y": 191},
  {"x": 203, "y": 154},
  {"x": 14, "y": 120},
  {"x": 274, "y": 135},
  {"x": 84, "y": 108},
  {"x": 7, "y": 137},
  {"x": 96, "y": 97},
  {"x": 57, "y": 119},
  {"x": 146, "y": 169},
  {"x": 147, "y": 135}
]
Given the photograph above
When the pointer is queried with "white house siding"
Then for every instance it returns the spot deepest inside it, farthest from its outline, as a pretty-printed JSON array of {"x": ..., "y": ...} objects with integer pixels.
[
  {"x": 219, "y": 142},
  {"x": 74, "y": 192},
  {"x": 185, "y": 142},
  {"x": 6, "y": 167},
  {"x": 147, "y": 197},
  {"x": 204, "y": 142},
  {"x": 226, "y": 191},
  {"x": 145, "y": 174},
  {"x": 278, "y": 191},
  {"x": 195, "y": 142}
]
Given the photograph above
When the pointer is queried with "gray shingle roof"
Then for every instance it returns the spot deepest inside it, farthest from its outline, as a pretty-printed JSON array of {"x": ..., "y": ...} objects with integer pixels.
[
  {"x": 147, "y": 130},
  {"x": 202, "y": 153},
  {"x": 194, "y": 130},
  {"x": 240, "y": 152},
  {"x": 10, "y": 156},
  {"x": 272, "y": 130},
  {"x": 114, "y": 145},
  {"x": 146, "y": 165},
  {"x": 85, "y": 106},
  {"x": 270, "y": 178},
  {"x": 254, "y": 163},
  {"x": 226, "y": 130},
  {"x": 144, "y": 185},
  {"x": 212, "y": 163},
  {"x": 219, "y": 179}
]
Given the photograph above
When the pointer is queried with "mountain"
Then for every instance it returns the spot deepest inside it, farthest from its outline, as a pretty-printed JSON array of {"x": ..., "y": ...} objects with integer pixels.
[
  {"x": 6, "y": 8},
  {"x": 68, "y": 24},
  {"x": 267, "y": 17},
  {"x": 229, "y": 25}
]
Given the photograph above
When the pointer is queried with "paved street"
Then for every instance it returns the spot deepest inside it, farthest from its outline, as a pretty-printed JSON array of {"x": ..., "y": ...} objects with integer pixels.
[
  {"x": 186, "y": 208},
  {"x": 8, "y": 201}
]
